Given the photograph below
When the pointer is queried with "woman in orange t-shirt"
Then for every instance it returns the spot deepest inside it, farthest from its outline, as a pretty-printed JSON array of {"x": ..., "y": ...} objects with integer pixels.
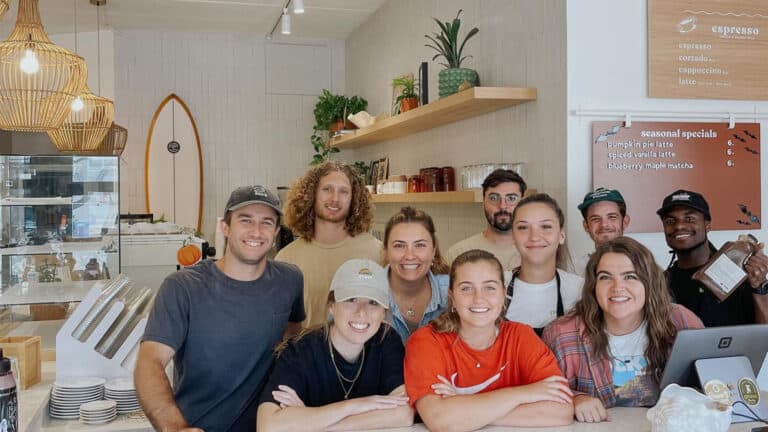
[{"x": 470, "y": 360}]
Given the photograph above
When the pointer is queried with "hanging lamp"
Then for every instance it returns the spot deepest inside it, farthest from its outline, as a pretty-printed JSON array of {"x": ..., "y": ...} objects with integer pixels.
[
  {"x": 38, "y": 79},
  {"x": 114, "y": 142},
  {"x": 90, "y": 115},
  {"x": 3, "y": 7}
]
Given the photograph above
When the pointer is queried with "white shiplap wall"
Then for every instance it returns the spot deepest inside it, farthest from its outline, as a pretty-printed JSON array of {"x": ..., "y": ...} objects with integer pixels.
[
  {"x": 521, "y": 43},
  {"x": 253, "y": 113}
]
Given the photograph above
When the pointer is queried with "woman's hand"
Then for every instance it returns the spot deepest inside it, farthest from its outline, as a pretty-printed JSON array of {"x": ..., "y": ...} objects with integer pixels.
[
  {"x": 444, "y": 388},
  {"x": 287, "y": 397},
  {"x": 554, "y": 389},
  {"x": 376, "y": 402},
  {"x": 589, "y": 409}
]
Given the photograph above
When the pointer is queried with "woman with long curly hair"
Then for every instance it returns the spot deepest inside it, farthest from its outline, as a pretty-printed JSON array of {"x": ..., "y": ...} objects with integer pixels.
[
  {"x": 470, "y": 368},
  {"x": 615, "y": 343},
  {"x": 330, "y": 209},
  {"x": 416, "y": 272}
]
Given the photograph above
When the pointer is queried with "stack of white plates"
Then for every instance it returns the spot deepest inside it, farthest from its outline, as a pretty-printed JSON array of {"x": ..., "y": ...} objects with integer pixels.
[
  {"x": 122, "y": 391},
  {"x": 68, "y": 394},
  {"x": 98, "y": 412}
]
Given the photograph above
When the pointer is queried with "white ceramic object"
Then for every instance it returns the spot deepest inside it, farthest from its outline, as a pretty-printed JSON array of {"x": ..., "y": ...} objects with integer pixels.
[
  {"x": 683, "y": 409},
  {"x": 361, "y": 119}
]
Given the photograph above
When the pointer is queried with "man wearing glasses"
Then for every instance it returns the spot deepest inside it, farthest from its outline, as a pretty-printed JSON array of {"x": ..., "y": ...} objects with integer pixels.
[{"x": 502, "y": 190}]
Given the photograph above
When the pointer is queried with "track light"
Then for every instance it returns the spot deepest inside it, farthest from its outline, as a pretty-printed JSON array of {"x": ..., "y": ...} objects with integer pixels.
[
  {"x": 285, "y": 23},
  {"x": 298, "y": 6}
]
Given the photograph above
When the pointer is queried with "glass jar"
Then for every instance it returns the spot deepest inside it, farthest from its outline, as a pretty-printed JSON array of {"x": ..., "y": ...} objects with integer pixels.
[
  {"x": 415, "y": 184},
  {"x": 431, "y": 179},
  {"x": 449, "y": 179}
]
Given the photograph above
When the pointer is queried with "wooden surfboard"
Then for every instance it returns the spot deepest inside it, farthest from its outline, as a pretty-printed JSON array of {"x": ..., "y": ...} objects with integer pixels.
[{"x": 173, "y": 165}]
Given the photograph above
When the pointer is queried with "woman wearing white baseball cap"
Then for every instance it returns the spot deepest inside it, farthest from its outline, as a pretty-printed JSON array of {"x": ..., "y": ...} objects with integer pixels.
[{"x": 347, "y": 374}]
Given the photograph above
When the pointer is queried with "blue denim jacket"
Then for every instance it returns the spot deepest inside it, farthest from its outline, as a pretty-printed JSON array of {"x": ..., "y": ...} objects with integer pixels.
[{"x": 435, "y": 307}]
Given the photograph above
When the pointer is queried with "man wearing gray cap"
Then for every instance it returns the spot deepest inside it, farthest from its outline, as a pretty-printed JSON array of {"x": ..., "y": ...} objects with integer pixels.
[{"x": 220, "y": 321}]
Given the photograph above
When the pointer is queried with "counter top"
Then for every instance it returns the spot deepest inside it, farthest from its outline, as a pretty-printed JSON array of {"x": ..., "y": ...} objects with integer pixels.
[
  {"x": 33, "y": 407},
  {"x": 33, "y": 404}
]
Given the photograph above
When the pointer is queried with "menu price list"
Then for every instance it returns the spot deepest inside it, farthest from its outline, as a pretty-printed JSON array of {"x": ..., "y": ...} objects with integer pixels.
[{"x": 649, "y": 160}]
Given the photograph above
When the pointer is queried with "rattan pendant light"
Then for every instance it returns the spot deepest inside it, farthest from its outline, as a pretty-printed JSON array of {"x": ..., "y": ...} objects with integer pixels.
[
  {"x": 38, "y": 79},
  {"x": 89, "y": 120},
  {"x": 3, "y": 7},
  {"x": 114, "y": 142}
]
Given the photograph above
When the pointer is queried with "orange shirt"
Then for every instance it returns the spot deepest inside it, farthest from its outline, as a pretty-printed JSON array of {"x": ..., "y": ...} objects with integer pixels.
[{"x": 517, "y": 357}]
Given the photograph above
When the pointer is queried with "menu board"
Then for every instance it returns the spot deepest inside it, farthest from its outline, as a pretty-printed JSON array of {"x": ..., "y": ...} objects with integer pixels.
[
  {"x": 650, "y": 160},
  {"x": 709, "y": 49}
]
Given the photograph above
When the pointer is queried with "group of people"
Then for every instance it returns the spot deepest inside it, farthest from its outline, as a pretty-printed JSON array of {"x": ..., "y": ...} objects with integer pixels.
[{"x": 343, "y": 332}]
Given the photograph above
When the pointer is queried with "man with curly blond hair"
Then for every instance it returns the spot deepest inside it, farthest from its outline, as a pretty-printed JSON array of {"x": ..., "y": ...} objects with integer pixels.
[{"x": 330, "y": 210}]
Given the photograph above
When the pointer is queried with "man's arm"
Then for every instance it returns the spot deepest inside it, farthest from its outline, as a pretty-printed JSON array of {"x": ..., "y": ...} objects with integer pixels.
[
  {"x": 154, "y": 390},
  {"x": 757, "y": 269}
]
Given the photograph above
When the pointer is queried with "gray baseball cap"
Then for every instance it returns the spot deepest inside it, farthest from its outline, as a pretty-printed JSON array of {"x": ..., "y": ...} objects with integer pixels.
[
  {"x": 361, "y": 278},
  {"x": 256, "y": 194}
]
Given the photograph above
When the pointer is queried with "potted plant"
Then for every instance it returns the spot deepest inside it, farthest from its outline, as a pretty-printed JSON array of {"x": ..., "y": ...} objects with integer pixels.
[
  {"x": 446, "y": 43},
  {"x": 330, "y": 116},
  {"x": 363, "y": 169},
  {"x": 408, "y": 98}
]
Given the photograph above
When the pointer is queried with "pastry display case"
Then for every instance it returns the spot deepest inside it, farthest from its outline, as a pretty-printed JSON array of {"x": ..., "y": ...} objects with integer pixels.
[{"x": 59, "y": 229}]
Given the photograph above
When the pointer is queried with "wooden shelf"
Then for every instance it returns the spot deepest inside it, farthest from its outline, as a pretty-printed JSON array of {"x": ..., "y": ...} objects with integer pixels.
[
  {"x": 469, "y": 196},
  {"x": 466, "y": 104}
]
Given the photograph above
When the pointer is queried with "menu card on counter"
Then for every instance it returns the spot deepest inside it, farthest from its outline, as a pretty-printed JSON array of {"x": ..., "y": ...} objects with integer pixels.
[
  {"x": 650, "y": 160},
  {"x": 708, "y": 49}
]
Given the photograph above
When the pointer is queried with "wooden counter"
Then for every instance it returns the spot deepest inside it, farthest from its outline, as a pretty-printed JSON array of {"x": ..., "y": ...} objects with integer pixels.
[{"x": 34, "y": 417}]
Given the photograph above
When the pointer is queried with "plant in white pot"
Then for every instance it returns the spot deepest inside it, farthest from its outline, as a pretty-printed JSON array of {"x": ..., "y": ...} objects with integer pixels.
[{"x": 446, "y": 43}]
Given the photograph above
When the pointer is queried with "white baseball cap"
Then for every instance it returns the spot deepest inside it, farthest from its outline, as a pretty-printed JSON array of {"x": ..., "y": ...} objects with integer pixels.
[{"x": 361, "y": 278}]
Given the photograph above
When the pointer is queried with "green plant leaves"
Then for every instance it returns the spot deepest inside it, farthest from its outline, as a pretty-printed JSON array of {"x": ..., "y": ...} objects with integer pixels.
[{"x": 446, "y": 42}]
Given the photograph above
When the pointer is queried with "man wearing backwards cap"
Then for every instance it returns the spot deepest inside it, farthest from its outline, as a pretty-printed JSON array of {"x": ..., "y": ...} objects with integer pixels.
[
  {"x": 219, "y": 321},
  {"x": 686, "y": 219},
  {"x": 605, "y": 218}
]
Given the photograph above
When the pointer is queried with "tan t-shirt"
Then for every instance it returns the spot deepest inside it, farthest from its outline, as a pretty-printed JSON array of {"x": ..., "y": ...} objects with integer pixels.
[
  {"x": 507, "y": 255},
  {"x": 318, "y": 262}
]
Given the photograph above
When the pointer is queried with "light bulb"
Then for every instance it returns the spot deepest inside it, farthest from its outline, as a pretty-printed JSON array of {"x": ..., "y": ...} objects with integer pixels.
[
  {"x": 77, "y": 104},
  {"x": 29, "y": 64},
  {"x": 298, "y": 6},
  {"x": 285, "y": 23}
]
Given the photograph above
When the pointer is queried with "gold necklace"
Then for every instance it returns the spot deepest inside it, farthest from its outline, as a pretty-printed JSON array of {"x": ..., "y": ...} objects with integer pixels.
[
  {"x": 462, "y": 343},
  {"x": 340, "y": 376}
]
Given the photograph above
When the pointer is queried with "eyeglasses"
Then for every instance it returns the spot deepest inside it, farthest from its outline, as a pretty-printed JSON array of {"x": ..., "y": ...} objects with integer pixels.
[{"x": 510, "y": 199}]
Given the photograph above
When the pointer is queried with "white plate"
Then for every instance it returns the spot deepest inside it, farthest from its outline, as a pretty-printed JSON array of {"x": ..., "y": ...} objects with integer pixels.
[
  {"x": 65, "y": 416},
  {"x": 99, "y": 405},
  {"x": 98, "y": 417},
  {"x": 120, "y": 385},
  {"x": 96, "y": 422},
  {"x": 79, "y": 382}
]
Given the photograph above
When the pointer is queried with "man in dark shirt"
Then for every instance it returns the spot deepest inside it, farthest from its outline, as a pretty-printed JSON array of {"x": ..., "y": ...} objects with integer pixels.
[{"x": 686, "y": 219}]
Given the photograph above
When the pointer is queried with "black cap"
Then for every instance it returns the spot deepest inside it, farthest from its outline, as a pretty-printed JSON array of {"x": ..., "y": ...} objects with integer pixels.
[
  {"x": 256, "y": 194},
  {"x": 685, "y": 198},
  {"x": 5, "y": 365}
]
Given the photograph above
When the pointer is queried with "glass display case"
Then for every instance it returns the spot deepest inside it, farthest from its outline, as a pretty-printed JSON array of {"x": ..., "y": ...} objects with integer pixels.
[{"x": 59, "y": 228}]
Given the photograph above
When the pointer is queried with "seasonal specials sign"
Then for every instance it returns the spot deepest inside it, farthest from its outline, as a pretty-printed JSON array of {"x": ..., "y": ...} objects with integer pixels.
[
  {"x": 650, "y": 160},
  {"x": 710, "y": 49}
]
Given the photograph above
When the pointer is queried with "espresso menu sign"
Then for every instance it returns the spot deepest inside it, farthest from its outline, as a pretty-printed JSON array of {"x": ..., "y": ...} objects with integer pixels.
[
  {"x": 650, "y": 160},
  {"x": 710, "y": 49}
]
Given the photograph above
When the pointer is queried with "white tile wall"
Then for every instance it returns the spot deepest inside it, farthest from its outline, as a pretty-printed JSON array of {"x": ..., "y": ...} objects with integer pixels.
[
  {"x": 248, "y": 134},
  {"x": 521, "y": 43}
]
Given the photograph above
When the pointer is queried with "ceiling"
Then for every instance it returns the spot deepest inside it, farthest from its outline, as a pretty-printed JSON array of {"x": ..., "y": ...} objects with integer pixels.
[{"x": 323, "y": 19}]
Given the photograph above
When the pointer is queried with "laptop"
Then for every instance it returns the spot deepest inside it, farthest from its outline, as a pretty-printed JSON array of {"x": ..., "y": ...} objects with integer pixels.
[
  {"x": 730, "y": 380},
  {"x": 750, "y": 341}
]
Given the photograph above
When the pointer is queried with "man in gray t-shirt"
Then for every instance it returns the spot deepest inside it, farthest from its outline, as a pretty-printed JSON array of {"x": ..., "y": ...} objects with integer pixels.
[{"x": 219, "y": 321}]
